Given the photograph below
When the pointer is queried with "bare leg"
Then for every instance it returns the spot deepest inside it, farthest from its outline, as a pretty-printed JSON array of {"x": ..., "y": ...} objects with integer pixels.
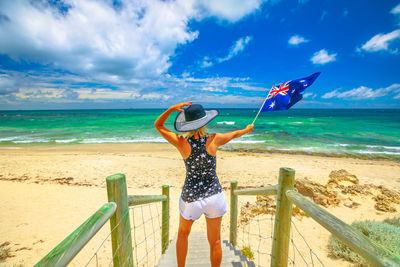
[
  {"x": 182, "y": 241},
  {"x": 214, "y": 238}
]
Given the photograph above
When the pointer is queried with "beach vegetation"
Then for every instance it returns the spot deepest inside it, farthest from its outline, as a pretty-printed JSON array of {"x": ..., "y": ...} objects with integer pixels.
[
  {"x": 384, "y": 233},
  {"x": 246, "y": 251},
  {"x": 393, "y": 221},
  {"x": 5, "y": 251}
]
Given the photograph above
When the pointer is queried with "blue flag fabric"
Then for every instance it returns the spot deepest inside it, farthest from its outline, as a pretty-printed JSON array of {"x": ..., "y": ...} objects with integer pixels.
[{"x": 287, "y": 94}]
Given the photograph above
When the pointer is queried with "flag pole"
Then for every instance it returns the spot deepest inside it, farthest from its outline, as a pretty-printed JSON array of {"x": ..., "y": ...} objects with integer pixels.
[{"x": 261, "y": 107}]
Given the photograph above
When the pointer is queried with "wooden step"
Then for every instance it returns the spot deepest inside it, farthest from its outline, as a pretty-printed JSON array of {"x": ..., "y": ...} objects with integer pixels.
[{"x": 199, "y": 253}]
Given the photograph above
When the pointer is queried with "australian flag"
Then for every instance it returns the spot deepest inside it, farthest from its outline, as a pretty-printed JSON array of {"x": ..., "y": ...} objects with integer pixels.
[{"x": 287, "y": 94}]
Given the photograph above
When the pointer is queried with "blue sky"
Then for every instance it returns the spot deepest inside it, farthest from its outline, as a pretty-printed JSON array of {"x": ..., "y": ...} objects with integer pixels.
[{"x": 58, "y": 54}]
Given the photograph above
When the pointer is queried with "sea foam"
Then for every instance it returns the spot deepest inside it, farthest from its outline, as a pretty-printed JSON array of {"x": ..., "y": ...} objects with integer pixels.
[
  {"x": 115, "y": 140},
  {"x": 226, "y": 122}
]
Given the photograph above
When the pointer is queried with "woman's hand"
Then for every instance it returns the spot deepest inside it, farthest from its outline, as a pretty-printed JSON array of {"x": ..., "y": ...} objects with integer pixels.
[
  {"x": 178, "y": 107},
  {"x": 159, "y": 123},
  {"x": 222, "y": 139},
  {"x": 249, "y": 128}
]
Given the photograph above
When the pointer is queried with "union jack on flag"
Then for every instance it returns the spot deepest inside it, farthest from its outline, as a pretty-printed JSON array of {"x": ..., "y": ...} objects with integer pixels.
[
  {"x": 283, "y": 88},
  {"x": 287, "y": 94}
]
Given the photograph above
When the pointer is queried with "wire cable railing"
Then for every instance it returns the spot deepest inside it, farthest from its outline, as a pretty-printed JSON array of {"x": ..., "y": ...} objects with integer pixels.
[
  {"x": 139, "y": 245},
  {"x": 147, "y": 226},
  {"x": 255, "y": 235},
  {"x": 267, "y": 233}
]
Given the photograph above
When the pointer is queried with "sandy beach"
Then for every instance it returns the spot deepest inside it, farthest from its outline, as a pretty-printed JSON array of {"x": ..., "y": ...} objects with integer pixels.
[{"x": 47, "y": 191}]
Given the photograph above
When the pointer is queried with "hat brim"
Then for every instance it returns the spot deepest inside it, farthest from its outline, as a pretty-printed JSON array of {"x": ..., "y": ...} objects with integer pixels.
[{"x": 181, "y": 125}]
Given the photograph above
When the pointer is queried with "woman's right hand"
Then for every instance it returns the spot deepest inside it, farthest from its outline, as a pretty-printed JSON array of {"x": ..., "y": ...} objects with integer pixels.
[{"x": 178, "y": 107}]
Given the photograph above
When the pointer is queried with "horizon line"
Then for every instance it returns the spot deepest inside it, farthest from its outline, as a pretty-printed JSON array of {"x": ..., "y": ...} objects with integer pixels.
[{"x": 71, "y": 109}]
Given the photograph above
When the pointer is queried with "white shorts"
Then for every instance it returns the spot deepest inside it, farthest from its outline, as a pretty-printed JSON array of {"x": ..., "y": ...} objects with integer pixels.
[{"x": 212, "y": 207}]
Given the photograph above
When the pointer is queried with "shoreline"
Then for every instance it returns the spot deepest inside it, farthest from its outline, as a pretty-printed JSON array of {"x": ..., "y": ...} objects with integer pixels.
[
  {"x": 90, "y": 164},
  {"x": 126, "y": 147}
]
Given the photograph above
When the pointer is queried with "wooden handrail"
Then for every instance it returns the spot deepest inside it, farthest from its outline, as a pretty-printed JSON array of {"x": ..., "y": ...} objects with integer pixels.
[
  {"x": 145, "y": 199},
  {"x": 64, "y": 252},
  {"x": 372, "y": 252},
  {"x": 266, "y": 191}
]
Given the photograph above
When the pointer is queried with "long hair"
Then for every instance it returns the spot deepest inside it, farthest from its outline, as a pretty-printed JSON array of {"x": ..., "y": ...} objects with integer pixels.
[{"x": 201, "y": 132}]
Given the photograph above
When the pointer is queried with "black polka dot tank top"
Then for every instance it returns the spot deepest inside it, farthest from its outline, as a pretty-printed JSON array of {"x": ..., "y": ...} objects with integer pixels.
[{"x": 201, "y": 177}]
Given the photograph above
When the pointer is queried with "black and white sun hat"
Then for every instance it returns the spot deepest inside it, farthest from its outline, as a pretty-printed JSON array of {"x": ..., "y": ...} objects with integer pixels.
[{"x": 194, "y": 117}]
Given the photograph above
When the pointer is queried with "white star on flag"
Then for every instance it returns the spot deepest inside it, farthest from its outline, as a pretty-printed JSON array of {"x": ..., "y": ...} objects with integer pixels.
[
  {"x": 272, "y": 105},
  {"x": 304, "y": 82}
]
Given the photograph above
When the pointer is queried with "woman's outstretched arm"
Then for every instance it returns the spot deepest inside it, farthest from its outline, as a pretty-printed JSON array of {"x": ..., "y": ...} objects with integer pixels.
[
  {"x": 222, "y": 139},
  {"x": 159, "y": 123}
]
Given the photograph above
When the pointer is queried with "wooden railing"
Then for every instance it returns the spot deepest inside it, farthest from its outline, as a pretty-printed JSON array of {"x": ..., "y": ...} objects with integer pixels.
[
  {"x": 64, "y": 252},
  {"x": 375, "y": 254},
  {"x": 117, "y": 211},
  {"x": 119, "y": 203},
  {"x": 117, "y": 192}
]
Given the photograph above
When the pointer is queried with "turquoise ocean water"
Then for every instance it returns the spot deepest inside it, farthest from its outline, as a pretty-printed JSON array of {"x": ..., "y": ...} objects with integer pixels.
[{"x": 339, "y": 132}]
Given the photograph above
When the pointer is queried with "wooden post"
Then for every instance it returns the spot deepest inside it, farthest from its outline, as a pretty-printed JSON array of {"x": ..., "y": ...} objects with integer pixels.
[
  {"x": 165, "y": 220},
  {"x": 121, "y": 236},
  {"x": 234, "y": 214},
  {"x": 283, "y": 218}
]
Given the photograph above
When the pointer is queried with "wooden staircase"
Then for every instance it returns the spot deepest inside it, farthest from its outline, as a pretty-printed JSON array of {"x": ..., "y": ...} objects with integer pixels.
[{"x": 199, "y": 253}]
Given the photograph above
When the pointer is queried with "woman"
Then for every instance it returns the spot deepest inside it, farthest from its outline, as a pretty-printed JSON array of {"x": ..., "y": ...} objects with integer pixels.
[{"x": 201, "y": 192}]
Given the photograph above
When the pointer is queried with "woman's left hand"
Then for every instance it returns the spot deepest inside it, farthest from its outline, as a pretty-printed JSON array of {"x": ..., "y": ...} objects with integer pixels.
[{"x": 249, "y": 128}]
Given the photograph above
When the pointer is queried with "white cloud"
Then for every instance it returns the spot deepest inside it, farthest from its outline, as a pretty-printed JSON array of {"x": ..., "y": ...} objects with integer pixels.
[
  {"x": 154, "y": 96},
  {"x": 78, "y": 94},
  {"x": 330, "y": 94},
  {"x": 297, "y": 39},
  {"x": 206, "y": 62},
  {"x": 248, "y": 87},
  {"x": 363, "y": 92},
  {"x": 230, "y": 10},
  {"x": 310, "y": 95},
  {"x": 323, "y": 57},
  {"x": 381, "y": 42},
  {"x": 42, "y": 89},
  {"x": 396, "y": 11},
  {"x": 212, "y": 89},
  {"x": 7, "y": 85},
  {"x": 95, "y": 38},
  {"x": 237, "y": 48},
  {"x": 228, "y": 99}
]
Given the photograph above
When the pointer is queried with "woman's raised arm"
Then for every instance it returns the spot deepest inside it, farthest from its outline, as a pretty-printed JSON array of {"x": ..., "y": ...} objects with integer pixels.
[
  {"x": 171, "y": 137},
  {"x": 222, "y": 139}
]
